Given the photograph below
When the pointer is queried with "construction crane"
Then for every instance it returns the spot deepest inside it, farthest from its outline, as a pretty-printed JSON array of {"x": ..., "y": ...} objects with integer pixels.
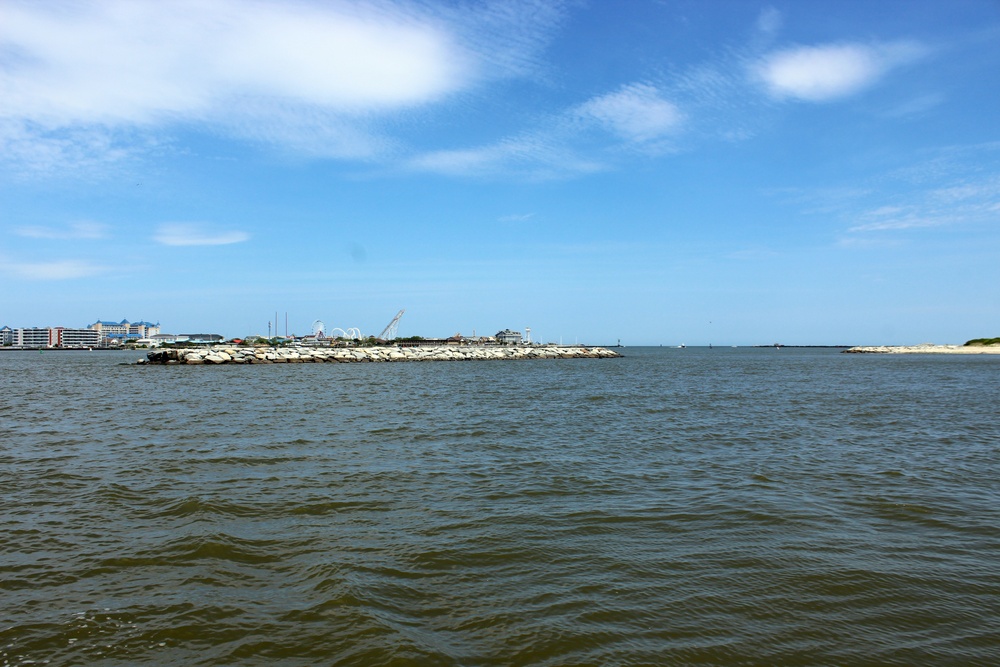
[{"x": 393, "y": 327}]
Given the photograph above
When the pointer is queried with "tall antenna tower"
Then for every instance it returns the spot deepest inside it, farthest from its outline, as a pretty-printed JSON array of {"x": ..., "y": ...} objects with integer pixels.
[{"x": 392, "y": 328}]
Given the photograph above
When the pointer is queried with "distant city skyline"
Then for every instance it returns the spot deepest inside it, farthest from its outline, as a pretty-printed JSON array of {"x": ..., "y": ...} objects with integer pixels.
[{"x": 657, "y": 171}]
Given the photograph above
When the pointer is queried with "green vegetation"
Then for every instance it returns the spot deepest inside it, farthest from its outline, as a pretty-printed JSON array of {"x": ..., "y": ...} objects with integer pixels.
[
  {"x": 256, "y": 341},
  {"x": 984, "y": 341}
]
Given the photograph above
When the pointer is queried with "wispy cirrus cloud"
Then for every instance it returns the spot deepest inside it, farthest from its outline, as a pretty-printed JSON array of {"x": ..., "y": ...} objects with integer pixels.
[
  {"x": 831, "y": 71},
  {"x": 191, "y": 234},
  {"x": 769, "y": 21},
  {"x": 957, "y": 186},
  {"x": 637, "y": 116},
  {"x": 915, "y": 106},
  {"x": 68, "y": 269},
  {"x": 950, "y": 187},
  {"x": 965, "y": 202},
  {"x": 636, "y": 112},
  {"x": 516, "y": 217},
  {"x": 73, "y": 231},
  {"x": 543, "y": 154}
]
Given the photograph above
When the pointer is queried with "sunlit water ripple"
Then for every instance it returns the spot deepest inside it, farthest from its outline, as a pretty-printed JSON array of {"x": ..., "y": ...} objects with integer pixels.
[{"x": 724, "y": 507}]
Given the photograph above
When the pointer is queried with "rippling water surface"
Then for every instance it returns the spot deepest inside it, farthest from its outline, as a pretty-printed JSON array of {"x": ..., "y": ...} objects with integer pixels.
[{"x": 724, "y": 507}]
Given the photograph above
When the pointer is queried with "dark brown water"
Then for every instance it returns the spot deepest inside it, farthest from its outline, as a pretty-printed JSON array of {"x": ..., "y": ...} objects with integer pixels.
[{"x": 714, "y": 507}]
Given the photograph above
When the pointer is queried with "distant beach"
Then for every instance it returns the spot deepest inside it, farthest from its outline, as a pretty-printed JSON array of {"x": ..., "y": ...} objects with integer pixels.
[{"x": 926, "y": 348}]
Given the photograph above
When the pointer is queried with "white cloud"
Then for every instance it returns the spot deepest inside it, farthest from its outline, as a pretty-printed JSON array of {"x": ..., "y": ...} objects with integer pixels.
[
  {"x": 76, "y": 230},
  {"x": 464, "y": 160},
  {"x": 636, "y": 112},
  {"x": 85, "y": 83},
  {"x": 142, "y": 62},
  {"x": 986, "y": 190},
  {"x": 507, "y": 37},
  {"x": 538, "y": 156},
  {"x": 55, "y": 270},
  {"x": 894, "y": 218},
  {"x": 30, "y": 149},
  {"x": 952, "y": 188},
  {"x": 974, "y": 200},
  {"x": 828, "y": 72},
  {"x": 89, "y": 83},
  {"x": 189, "y": 234}
]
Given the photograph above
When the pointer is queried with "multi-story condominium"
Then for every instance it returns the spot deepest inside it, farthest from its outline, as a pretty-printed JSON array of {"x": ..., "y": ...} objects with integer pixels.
[
  {"x": 54, "y": 337},
  {"x": 78, "y": 337},
  {"x": 99, "y": 333},
  {"x": 110, "y": 332},
  {"x": 143, "y": 329},
  {"x": 35, "y": 337}
]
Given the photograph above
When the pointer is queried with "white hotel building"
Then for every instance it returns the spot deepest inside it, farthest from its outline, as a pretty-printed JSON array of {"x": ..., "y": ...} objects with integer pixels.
[
  {"x": 113, "y": 333},
  {"x": 54, "y": 337},
  {"x": 96, "y": 335}
]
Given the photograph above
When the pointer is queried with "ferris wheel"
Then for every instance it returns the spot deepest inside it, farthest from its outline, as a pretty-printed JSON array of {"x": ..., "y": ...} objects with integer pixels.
[{"x": 318, "y": 328}]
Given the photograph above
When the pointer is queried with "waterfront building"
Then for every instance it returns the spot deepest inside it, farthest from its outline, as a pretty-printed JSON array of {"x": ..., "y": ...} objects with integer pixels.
[
  {"x": 77, "y": 337},
  {"x": 110, "y": 329},
  {"x": 201, "y": 338},
  {"x": 193, "y": 339},
  {"x": 35, "y": 337},
  {"x": 116, "y": 333},
  {"x": 143, "y": 329},
  {"x": 6, "y": 336},
  {"x": 54, "y": 337},
  {"x": 508, "y": 337}
]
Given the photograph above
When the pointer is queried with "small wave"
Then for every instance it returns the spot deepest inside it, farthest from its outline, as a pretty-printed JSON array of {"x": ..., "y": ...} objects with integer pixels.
[
  {"x": 218, "y": 547},
  {"x": 196, "y": 506}
]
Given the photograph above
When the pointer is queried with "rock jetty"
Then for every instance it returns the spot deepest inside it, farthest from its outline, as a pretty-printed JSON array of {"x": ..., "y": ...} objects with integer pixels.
[
  {"x": 926, "y": 348},
  {"x": 302, "y": 355}
]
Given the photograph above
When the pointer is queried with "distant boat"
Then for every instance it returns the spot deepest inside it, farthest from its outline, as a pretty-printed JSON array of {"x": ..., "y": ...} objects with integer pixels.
[{"x": 681, "y": 346}]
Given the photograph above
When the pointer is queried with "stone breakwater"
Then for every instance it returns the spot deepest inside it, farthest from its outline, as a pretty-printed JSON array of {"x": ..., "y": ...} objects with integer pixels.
[
  {"x": 925, "y": 349},
  {"x": 285, "y": 355}
]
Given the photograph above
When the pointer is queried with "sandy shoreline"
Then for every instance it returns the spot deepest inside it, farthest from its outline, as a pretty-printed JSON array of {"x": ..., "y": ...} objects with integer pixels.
[{"x": 924, "y": 349}]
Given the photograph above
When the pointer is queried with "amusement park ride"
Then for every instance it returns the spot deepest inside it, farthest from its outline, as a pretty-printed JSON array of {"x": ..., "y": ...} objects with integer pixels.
[
  {"x": 319, "y": 330},
  {"x": 392, "y": 328}
]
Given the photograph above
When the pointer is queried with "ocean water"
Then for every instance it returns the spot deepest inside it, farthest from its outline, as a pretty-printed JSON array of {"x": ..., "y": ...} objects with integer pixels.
[{"x": 691, "y": 507}]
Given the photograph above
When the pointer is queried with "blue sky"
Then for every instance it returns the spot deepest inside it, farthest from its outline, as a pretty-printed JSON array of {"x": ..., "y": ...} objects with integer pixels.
[{"x": 651, "y": 171}]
